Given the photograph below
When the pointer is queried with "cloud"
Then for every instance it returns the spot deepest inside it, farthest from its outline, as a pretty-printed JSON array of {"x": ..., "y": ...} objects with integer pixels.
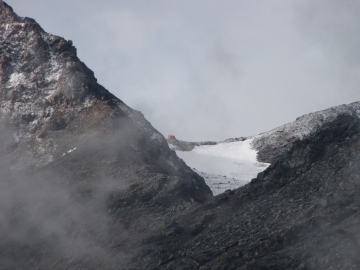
[{"x": 333, "y": 27}]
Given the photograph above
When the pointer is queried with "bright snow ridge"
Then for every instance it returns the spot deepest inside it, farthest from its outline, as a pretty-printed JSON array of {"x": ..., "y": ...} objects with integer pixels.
[{"x": 226, "y": 165}]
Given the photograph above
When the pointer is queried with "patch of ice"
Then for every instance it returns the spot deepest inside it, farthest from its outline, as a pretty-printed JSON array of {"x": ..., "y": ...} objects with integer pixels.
[
  {"x": 224, "y": 165},
  {"x": 172, "y": 147},
  {"x": 71, "y": 150},
  {"x": 17, "y": 79}
]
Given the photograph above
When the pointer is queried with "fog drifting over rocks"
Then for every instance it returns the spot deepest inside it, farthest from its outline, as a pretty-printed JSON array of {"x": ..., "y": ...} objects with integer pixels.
[{"x": 210, "y": 70}]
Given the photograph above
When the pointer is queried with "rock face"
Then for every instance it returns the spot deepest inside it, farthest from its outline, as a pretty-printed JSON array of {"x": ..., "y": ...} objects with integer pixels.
[
  {"x": 276, "y": 143},
  {"x": 51, "y": 106},
  {"x": 85, "y": 178}
]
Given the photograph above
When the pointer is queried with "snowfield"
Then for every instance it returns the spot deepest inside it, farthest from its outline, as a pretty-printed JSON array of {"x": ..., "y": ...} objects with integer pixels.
[
  {"x": 226, "y": 165},
  {"x": 231, "y": 164}
]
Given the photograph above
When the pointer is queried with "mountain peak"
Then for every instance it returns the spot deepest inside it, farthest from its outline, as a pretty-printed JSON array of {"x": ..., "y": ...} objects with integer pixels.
[
  {"x": 51, "y": 104},
  {"x": 7, "y": 14},
  {"x": 44, "y": 85}
]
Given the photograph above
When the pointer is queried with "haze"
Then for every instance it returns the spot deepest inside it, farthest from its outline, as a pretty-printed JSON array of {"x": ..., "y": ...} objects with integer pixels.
[{"x": 211, "y": 70}]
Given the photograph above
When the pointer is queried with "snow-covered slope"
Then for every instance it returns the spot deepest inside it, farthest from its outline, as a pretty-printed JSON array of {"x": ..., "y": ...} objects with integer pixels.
[
  {"x": 226, "y": 165},
  {"x": 234, "y": 162},
  {"x": 276, "y": 143}
]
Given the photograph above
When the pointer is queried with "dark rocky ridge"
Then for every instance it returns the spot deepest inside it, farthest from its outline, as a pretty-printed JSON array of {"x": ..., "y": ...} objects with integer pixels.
[
  {"x": 51, "y": 105},
  {"x": 276, "y": 143},
  {"x": 85, "y": 178}
]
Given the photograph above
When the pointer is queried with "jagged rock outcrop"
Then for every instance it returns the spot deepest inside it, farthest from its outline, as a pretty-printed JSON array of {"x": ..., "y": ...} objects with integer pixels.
[
  {"x": 51, "y": 105},
  {"x": 85, "y": 178},
  {"x": 276, "y": 143}
]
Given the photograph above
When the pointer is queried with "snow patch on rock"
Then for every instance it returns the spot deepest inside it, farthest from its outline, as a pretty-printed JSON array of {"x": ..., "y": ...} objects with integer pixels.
[
  {"x": 226, "y": 165},
  {"x": 157, "y": 138},
  {"x": 281, "y": 138},
  {"x": 55, "y": 70},
  {"x": 17, "y": 79}
]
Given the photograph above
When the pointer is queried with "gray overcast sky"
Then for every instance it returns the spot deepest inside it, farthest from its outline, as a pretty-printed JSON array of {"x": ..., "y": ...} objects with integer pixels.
[{"x": 211, "y": 69}]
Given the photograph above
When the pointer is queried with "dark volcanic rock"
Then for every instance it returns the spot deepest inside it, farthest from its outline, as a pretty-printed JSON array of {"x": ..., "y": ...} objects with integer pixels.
[
  {"x": 85, "y": 178},
  {"x": 276, "y": 143},
  {"x": 51, "y": 106}
]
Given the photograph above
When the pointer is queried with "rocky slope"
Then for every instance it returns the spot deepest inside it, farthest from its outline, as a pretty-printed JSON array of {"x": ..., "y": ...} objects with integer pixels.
[
  {"x": 51, "y": 105},
  {"x": 85, "y": 178},
  {"x": 300, "y": 213},
  {"x": 277, "y": 142}
]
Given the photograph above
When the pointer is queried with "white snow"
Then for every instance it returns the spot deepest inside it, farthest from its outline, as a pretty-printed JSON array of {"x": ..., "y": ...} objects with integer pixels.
[
  {"x": 17, "y": 79},
  {"x": 304, "y": 126},
  {"x": 71, "y": 150},
  {"x": 87, "y": 102},
  {"x": 55, "y": 70},
  {"x": 9, "y": 28},
  {"x": 172, "y": 147},
  {"x": 157, "y": 138},
  {"x": 226, "y": 165}
]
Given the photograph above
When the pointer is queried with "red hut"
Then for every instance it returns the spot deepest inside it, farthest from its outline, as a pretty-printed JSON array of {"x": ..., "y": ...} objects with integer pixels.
[{"x": 171, "y": 137}]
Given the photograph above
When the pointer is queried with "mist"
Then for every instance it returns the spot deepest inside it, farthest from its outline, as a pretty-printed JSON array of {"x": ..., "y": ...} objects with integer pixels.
[
  {"x": 59, "y": 214},
  {"x": 210, "y": 70}
]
